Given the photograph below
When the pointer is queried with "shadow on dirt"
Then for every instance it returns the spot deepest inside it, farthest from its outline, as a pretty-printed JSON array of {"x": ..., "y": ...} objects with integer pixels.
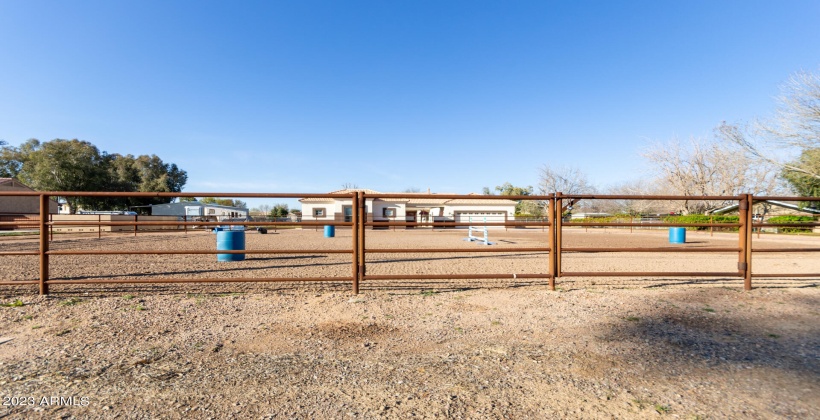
[{"x": 677, "y": 336}]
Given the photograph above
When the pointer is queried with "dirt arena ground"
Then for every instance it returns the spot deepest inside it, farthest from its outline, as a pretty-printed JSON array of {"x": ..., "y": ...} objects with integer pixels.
[{"x": 598, "y": 347}]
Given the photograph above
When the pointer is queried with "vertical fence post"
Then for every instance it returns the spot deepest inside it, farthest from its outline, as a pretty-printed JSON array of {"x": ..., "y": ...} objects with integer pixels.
[
  {"x": 135, "y": 226},
  {"x": 743, "y": 211},
  {"x": 361, "y": 233},
  {"x": 99, "y": 226},
  {"x": 558, "y": 221},
  {"x": 354, "y": 232},
  {"x": 747, "y": 280},
  {"x": 44, "y": 244},
  {"x": 553, "y": 269}
]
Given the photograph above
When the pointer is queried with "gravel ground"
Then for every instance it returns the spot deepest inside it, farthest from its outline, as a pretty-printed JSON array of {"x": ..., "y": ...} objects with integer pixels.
[{"x": 596, "y": 348}]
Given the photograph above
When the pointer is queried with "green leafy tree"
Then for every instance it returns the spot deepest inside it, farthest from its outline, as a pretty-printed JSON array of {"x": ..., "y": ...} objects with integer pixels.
[
  {"x": 145, "y": 174},
  {"x": 9, "y": 164},
  {"x": 510, "y": 189},
  {"x": 61, "y": 165},
  {"x": 529, "y": 207},
  {"x": 279, "y": 210},
  {"x": 74, "y": 165}
]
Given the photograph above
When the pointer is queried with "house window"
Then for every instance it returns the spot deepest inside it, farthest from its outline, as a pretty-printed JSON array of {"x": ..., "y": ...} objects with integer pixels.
[
  {"x": 318, "y": 212},
  {"x": 211, "y": 211},
  {"x": 387, "y": 212}
]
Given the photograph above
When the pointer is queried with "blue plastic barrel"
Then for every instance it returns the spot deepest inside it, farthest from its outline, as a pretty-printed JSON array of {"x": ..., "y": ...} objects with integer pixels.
[
  {"x": 677, "y": 235},
  {"x": 230, "y": 240},
  {"x": 330, "y": 231}
]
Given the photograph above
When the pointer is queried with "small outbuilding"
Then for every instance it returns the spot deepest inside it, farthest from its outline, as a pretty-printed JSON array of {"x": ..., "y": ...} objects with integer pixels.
[{"x": 21, "y": 205}]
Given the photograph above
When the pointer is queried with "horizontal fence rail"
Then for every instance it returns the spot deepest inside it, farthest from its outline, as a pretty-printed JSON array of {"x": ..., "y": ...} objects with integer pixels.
[{"x": 361, "y": 218}]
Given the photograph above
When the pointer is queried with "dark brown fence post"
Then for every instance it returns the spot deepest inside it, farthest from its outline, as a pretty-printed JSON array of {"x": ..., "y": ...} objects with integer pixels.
[
  {"x": 743, "y": 210},
  {"x": 354, "y": 232},
  {"x": 747, "y": 280},
  {"x": 99, "y": 226},
  {"x": 553, "y": 270},
  {"x": 135, "y": 226},
  {"x": 558, "y": 221},
  {"x": 43, "y": 244}
]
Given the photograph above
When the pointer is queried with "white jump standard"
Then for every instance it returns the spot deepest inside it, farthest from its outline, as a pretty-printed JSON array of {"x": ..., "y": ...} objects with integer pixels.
[{"x": 471, "y": 238}]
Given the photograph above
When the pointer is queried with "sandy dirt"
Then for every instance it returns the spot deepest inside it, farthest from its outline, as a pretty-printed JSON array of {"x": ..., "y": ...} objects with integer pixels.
[{"x": 598, "y": 347}]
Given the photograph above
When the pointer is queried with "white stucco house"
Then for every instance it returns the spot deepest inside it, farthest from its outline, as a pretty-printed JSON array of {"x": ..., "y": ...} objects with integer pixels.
[{"x": 410, "y": 209}]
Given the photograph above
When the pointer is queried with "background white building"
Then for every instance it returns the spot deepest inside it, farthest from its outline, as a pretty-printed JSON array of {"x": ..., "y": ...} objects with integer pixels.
[{"x": 410, "y": 209}]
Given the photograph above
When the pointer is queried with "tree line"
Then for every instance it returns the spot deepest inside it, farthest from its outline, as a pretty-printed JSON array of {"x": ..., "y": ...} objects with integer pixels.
[
  {"x": 773, "y": 156},
  {"x": 75, "y": 165}
]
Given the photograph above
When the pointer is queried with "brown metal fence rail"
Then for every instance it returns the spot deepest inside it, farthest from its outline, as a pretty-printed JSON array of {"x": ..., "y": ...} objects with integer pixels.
[
  {"x": 744, "y": 238},
  {"x": 555, "y": 204},
  {"x": 363, "y": 224}
]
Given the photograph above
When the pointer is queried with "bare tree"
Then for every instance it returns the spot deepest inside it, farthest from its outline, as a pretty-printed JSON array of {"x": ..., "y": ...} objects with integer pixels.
[
  {"x": 629, "y": 206},
  {"x": 265, "y": 209},
  {"x": 705, "y": 168},
  {"x": 567, "y": 180},
  {"x": 564, "y": 179},
  {"x": 795, "y": 127}
]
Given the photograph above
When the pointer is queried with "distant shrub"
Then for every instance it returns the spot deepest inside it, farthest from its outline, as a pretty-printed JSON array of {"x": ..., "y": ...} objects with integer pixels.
[
  {"x": 703, "y": 218},
  {"x": 792, "y": 219}
]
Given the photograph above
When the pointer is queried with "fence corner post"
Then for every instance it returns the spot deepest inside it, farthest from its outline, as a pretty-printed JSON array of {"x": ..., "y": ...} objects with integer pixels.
[
  {"x": 747, "y": 280},
  {"x": 355, "y": 234},
  {"x": 44, "y": 214},
  {"x": 553, "y": 257}
]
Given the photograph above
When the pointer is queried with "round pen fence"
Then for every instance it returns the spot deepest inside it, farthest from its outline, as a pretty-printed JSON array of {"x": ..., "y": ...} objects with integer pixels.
[{"x": 359, "y": 216}]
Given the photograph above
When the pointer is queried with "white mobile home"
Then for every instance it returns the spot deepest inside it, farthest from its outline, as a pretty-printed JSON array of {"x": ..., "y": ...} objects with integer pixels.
[{"x": 194, "y": 210}]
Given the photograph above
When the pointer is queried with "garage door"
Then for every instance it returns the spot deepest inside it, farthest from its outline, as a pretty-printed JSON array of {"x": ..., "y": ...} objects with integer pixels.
[{"x": 479, "y": 217}]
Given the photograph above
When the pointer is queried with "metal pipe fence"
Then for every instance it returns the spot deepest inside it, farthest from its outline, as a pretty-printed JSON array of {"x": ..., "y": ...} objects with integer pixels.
[{"x": 555, "y": 205}]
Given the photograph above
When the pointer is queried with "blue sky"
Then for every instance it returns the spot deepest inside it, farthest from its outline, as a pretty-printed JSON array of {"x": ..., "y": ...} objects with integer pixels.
[{"x": 287, "y": 96}]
